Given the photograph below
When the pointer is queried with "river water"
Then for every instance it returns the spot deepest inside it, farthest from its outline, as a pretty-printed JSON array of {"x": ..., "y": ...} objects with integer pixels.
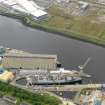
[{"x": 71, "y": 53}]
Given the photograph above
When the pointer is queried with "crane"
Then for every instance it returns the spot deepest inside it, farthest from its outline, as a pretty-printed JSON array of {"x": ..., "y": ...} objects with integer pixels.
[{"x": 81, "y": 67}]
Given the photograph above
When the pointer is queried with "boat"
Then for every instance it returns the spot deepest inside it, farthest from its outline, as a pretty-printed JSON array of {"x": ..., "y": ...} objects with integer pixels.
[
  {"x": 53, "y": 79},
  {"x": 60, "y": 76}
]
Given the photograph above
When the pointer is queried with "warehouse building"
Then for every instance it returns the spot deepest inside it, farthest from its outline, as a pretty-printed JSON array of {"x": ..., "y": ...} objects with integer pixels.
[
  {"x": 32, "y": 9},
  {"x": 30, "y": 61},
  {"x": 27, "y": 6}
]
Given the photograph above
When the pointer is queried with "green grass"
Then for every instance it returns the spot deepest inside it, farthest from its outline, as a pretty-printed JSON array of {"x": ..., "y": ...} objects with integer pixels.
[
  {"x": 86, "y": 26},
  {"x": 73, "y": 32}
]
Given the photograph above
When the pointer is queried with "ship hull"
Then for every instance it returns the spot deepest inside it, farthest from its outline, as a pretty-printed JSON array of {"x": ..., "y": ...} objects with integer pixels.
[{"x": 79, "y": 81}]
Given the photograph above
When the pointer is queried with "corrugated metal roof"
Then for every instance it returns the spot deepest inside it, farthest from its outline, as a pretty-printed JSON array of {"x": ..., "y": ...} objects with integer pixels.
[
  {"x": 47, "y": 56},
  {"x": 28, "y": 6}
]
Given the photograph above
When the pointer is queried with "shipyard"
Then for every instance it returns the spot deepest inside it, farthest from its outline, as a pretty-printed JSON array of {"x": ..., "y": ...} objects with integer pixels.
[
  {"x": 42, "y": 68},
  {"x": 63, "y": 17},
  {"x": 41, "y": 77}
]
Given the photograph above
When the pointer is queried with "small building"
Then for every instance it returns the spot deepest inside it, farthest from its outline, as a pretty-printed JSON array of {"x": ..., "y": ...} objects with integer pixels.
[
  {"x": 33, "y": 9},
  {"x": 83, "y": 5},
  {"x": 30, "y": 61}
]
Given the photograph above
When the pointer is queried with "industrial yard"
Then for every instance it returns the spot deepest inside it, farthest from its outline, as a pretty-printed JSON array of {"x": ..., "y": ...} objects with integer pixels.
[
  {"x": 12, "y": 73},
  {"x": 23, "y": 74}
]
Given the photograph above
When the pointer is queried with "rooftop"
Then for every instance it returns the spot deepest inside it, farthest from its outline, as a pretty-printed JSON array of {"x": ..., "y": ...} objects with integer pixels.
[
  {"x": 18, "y": 53},
  {"x": 27, "y": 6}
]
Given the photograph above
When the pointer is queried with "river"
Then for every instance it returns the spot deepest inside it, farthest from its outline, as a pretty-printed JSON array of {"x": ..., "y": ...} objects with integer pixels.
[{"x": 71, "y": 52}]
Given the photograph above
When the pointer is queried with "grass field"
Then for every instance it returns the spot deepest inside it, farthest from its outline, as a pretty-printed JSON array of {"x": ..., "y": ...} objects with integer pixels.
[{"x": 87, "y": 25}]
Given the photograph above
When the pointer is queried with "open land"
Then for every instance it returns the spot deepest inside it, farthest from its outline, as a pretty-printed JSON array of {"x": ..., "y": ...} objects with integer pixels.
[{"x": 70, "y": 19}]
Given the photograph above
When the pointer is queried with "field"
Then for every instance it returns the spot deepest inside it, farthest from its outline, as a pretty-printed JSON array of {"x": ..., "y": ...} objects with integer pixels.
[{"x": 89, "y": 24}]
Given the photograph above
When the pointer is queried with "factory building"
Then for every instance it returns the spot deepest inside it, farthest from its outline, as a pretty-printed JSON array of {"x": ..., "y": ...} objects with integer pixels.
[
  {"x": 32, "y": 9},
  {"x": 27, "y": 6},
  {"x": 30, "y": 61}
]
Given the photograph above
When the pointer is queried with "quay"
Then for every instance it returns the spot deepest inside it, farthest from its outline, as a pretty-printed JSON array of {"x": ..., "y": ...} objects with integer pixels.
[
  {"x": 60, "y": 88},
  {"x": 71, "y": 87}
]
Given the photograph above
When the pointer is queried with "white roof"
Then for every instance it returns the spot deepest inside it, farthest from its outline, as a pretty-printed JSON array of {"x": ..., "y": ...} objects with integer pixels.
[
  {"x": 38, "y": 13},
  {"x": 25, "y": 6},
  {"x": 17, "y": 7},
  {"x": 31, "y": 9},
  {"x": 61, "y": 70},
  {"x": 9, "y": 2}
]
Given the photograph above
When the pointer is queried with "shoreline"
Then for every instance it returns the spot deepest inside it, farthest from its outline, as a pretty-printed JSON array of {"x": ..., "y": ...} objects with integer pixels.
[{"x": 26, "y": 21}]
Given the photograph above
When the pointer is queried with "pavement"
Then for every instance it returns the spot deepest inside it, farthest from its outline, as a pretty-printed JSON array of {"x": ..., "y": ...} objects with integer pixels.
[{"x": 3, "y": 102}]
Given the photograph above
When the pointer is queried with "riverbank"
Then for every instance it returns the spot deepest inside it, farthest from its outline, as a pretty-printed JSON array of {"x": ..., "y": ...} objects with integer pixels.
[
  {"x": 78, "y": 36},
  {"x": 43, "y": 25}
]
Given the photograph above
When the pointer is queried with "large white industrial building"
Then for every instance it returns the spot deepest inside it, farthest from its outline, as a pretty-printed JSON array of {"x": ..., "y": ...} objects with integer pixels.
[{"x": 26, "y": 6}]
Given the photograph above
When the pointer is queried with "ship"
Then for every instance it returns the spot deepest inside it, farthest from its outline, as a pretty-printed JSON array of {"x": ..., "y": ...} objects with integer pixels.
[
  {"x": 60, "y": 76},
  {"x": 53, "y": 77}
]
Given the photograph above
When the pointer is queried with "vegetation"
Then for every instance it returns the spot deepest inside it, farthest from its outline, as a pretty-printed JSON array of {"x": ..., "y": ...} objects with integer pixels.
[
  {"x": 32, "y": 98},
  {"x": 82, "y": 27},
  {"x": 86, "y": 27}
]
